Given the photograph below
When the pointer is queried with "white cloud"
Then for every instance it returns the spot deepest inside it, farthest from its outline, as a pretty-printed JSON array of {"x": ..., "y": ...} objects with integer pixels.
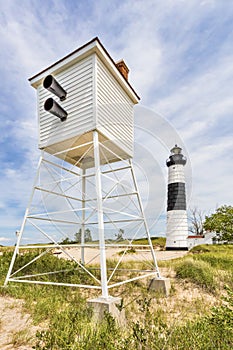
[{"x": 4, "y": 239}]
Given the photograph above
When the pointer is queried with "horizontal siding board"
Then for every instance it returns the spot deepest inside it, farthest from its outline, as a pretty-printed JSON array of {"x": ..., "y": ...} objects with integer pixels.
[
  {"x": 102, "y": 99},
  {"x": 110, "y": 80},
  {"x": 84, "y": 98},
  {"x": 76, "y": 88},
  {"x": 115, "y": 123},
  {"x": 73, "y": 90},
  {"x": 78, "y": 78},
  {"x": 105, "y": 90},
  {"x": 74, "y": 71},
  {"x": 85, "y": 127},
  {"x": 61, "y": 132},
  {"x": 117, "y": 109},
  {"x": 81, "y": 118},
  {"x": 68, "y": 130},
  {"x": 77, "y": 114},
  {"x": 127, "y": 127},
  {"x": 104, "y": 95}
]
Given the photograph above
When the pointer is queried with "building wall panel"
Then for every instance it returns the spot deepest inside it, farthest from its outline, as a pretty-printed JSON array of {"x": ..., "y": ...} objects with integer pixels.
[
  {"x": 114, "y": 110},
  {"x": 77, "y": 80}
]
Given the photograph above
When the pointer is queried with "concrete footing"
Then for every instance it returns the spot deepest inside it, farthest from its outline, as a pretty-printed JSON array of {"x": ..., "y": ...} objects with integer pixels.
[
  {"x": 102, "y": 305},
  {"x": 160, "y": 285}
]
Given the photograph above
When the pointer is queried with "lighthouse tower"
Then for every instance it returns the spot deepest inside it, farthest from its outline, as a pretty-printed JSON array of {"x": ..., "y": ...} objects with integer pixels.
[{"x": 177, "y": 225}]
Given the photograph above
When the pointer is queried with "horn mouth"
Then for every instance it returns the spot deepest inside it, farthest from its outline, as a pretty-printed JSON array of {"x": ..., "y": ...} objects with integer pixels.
[
  {"x": 52, "y": 85},
  {"x": 54, "y": 108},
  {"x": 48, "y": 81},
  {"x": 48, "y": 105}
]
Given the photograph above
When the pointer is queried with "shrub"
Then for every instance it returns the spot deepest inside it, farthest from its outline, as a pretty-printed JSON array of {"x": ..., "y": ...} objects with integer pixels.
[
  {"x": 63, "y": 270},
  {"x": 128, "y": 251},
  {"x": 201, "y": 249},
  {"x": 198, "y": 272}
]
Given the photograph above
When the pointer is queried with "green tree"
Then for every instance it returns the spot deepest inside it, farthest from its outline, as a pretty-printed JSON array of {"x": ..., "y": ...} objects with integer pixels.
[
  {"x": 221, "y": 222},
  {"x": 120, "y": 235},
  {"x": 87, "y": 236},
  {"x": 65, "y": 241}
]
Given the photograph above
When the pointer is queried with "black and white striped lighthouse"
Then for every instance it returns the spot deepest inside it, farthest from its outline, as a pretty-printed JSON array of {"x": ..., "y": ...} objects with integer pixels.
[{"x": 177, "y": 224}]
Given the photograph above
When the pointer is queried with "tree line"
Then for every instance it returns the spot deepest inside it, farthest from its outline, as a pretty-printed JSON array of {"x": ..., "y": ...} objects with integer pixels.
[
  {"x": 78, "y": 236},
  {"x": 220, "y": 222}
]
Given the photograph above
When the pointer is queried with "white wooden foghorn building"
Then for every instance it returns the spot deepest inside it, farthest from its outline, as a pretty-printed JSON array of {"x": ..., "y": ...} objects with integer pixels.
[
  {"x": 99, "y": 97},
  {"x": 85, "y": 117}
]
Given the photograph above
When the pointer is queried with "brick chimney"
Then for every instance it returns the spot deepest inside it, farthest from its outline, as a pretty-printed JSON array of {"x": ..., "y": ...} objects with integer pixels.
[{"x": 121, "y": 66}]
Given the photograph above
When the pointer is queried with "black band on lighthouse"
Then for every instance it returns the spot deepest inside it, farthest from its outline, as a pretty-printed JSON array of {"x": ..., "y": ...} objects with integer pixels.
[
  {"x": 176, "y": 196},
  {"x": 176, "y": 159}
]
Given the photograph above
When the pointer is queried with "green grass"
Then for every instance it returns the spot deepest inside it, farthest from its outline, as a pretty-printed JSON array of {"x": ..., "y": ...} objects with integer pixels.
[
  {"x": 198, "y": 272},
  {"x": 21, "y": 337},
  {"x": 207, "y": 266},
  {"x": 219, "y": 258},
  {"x": 71, "y": 273},
  {"x": 67, "y": 318},
  {"x": 212, "y": 248},
  {"x": 156, "y": 241}
]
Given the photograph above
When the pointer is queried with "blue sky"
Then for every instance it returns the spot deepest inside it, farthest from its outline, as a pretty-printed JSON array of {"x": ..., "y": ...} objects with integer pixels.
[{"x": 180, "y": 56}]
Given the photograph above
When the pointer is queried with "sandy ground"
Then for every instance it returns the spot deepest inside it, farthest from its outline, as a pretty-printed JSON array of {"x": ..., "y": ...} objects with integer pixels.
[
  {"x": 92, "y": 254},
  {"x": 16, "y": 329}
]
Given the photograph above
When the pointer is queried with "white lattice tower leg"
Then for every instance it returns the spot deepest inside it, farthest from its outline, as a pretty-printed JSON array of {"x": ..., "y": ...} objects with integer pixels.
[
  {"x": 23, "y": 223},
  {"x": 99, "y": 203},
  {"x": 83, "y": 217},
  {"x": 144, "y": 220}
]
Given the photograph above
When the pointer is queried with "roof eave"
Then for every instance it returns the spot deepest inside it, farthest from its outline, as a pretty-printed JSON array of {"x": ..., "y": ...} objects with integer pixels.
[{"x": 93, "y": 46}]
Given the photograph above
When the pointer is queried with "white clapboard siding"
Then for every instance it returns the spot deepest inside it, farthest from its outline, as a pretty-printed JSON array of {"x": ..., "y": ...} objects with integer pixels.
[
  {"x": 77, "y": 80},
  {"x": 114, "y": 110}
]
